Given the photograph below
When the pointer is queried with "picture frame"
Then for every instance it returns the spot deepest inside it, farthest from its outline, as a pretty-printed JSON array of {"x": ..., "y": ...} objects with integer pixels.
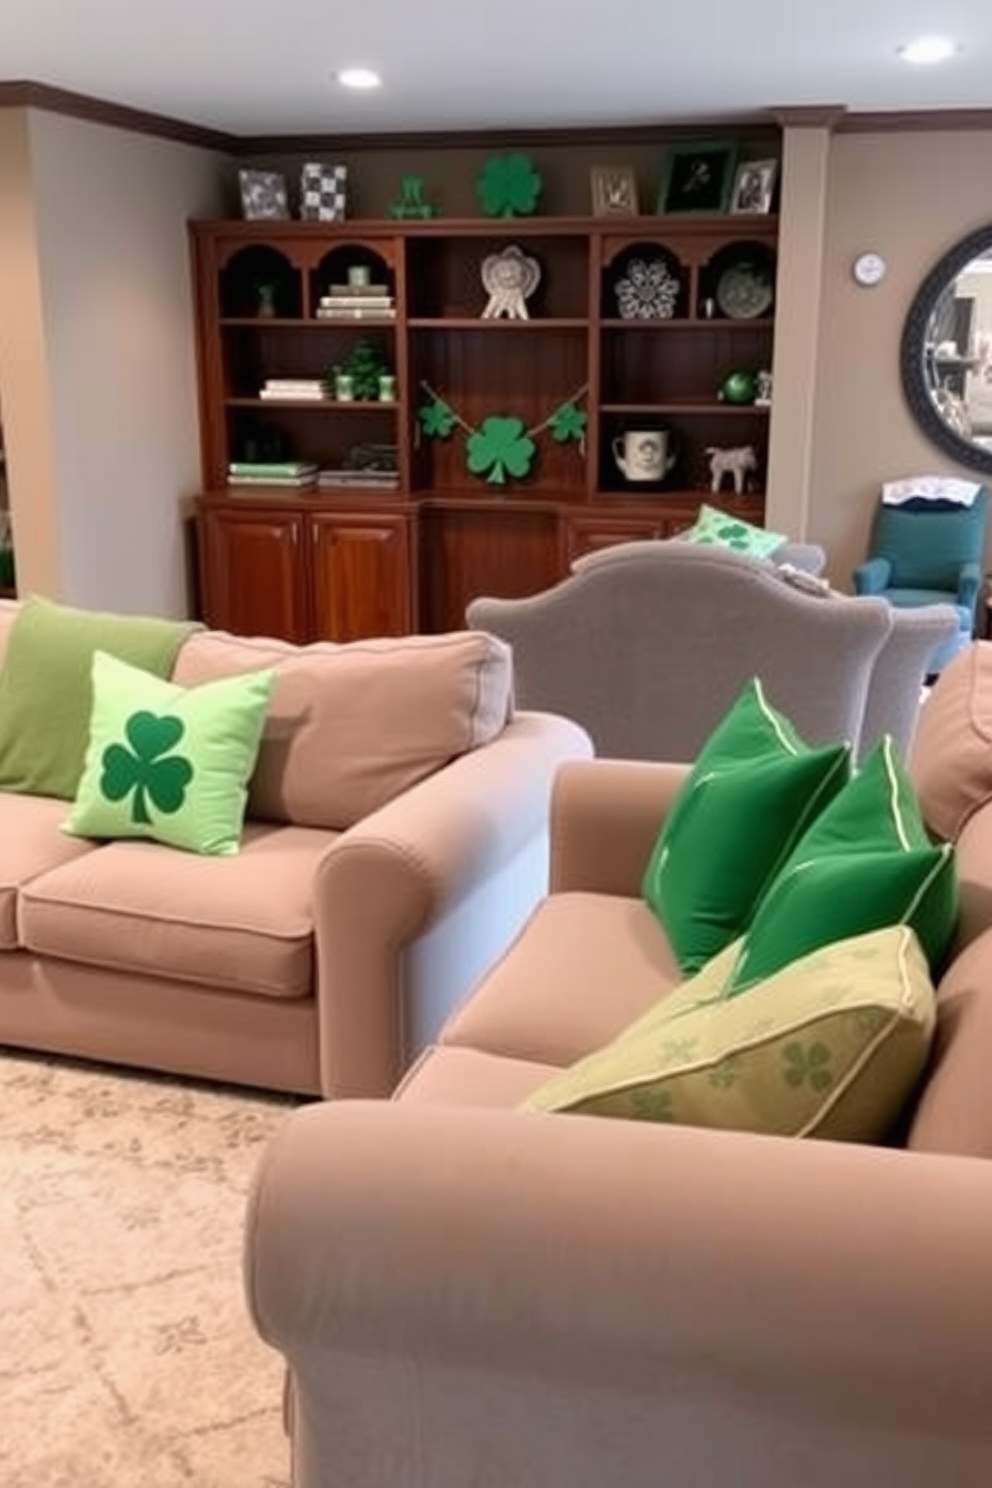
[
  {"x": 614, "y": 191},
  {"x": 263, "y": 194},
  {"x": 697, "y": 177},
  {"x": 754, "y": 187}
]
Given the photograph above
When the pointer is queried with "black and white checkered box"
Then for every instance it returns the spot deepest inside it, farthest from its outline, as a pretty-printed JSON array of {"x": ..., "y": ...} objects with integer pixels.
[{"x": 323, "y": 192}]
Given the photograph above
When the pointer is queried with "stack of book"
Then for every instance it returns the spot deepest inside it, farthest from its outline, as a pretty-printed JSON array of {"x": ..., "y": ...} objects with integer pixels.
[
  {"x": 293, "y": 473},
  {"x": 368, "y": 480},
  {"x": 357, "y": 302},
  {"x": 295, "y": 389}
]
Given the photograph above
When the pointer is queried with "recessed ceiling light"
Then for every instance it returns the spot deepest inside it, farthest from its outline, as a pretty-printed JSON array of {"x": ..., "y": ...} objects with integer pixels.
[
  {"x": 928, "y": 49},
  {"x": 359, "y": 77}
]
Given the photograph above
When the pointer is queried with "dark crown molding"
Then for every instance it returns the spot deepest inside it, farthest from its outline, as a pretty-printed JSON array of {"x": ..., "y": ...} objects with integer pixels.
[{"x": 118, "y": 115}]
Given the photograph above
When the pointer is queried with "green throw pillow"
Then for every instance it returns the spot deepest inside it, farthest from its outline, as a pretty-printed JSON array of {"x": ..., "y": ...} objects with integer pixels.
[
  {"x": 751, "y": 794},
  {"x": 830, "y": 1046},
  {"x": 167, "y": 762},
  {"x": 46, "y": 689},
  {"x": 867, "y": 861},
  {"x": 713, "y": 528}
]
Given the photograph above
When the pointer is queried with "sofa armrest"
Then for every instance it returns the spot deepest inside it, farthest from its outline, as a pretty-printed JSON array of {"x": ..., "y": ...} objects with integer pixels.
[
  {"x": 969, "y": 579},
  {"x": 401, "y": 875},
  {"x": 605, "y": 816},
  {"x": 873, "y": 576},
  {"x": 825, "y": 1288}
]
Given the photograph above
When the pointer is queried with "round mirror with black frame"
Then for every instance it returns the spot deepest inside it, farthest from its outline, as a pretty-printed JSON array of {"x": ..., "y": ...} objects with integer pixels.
[{"x": 946, "y": 352}]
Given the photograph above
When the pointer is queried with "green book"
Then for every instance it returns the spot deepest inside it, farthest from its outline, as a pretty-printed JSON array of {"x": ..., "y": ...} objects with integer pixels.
[{"x": 260, "y": 467}]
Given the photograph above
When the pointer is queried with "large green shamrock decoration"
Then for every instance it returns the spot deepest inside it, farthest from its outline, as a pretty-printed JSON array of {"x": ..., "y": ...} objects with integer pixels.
[
  {"x": 437, "y": 418},
  {"x": 509, "y": 186},
  {"x": 501, "y": 446},
  {"x": 568, "y": 422},
  {"x": 143, "y": 769}
]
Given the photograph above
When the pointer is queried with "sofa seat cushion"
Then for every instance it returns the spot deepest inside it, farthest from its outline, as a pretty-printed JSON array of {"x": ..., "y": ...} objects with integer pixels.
[
  {"x": 469, "y": 1077},
  {"x": 584, "y": 966},
  {"x": 242, "y": 923},
  {"x": 30, "y": 844}
]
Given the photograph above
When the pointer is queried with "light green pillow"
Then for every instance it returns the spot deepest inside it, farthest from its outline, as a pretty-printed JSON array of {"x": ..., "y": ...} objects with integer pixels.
[
  {"x": 45, "y": 686},
  {"x": 831, "y": 1046},
  {"x": 752, "y": 792},
  {"x": 866, "y": 861},
  {"x": 168, "y": 762},
  {"x": 713, "y": 528}
]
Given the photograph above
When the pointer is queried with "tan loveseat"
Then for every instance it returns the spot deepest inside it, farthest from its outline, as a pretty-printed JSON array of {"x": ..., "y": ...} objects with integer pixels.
[
  {"x": 396, "y": 837},
  {"x": 469, "y": 1293}
]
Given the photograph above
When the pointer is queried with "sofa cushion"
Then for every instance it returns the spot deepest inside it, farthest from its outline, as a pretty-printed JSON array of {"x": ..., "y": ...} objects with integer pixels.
[
  {"x": 950, "y": 761},
  {"x": 470, "y": 1077},
  {"x": 30, "y": 844},
  {"x": 865, "y": 862},
  {"x": 244, "y": 923},
  {"x": 168, "y": 762},
  {"x": 830, "y": 1046},
  {"x": 544, "y": 1000},
  {"x": 754, "y": 789},
  {"x": 349, "y": 727},
  {"x": 45, "y": 686}
]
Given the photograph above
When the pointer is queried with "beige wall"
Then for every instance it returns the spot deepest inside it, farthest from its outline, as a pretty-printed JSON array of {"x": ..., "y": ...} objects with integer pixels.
[
  {"x": 103, "y": 436},
  {"x": 910, "y": 197}
]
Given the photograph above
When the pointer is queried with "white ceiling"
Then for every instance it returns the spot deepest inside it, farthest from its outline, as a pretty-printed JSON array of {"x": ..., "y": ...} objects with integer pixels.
[{"x": 248, "y": 68}]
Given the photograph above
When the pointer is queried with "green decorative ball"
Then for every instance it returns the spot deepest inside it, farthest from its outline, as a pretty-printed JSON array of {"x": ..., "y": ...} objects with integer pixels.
[{"x": 738, "y": 387}]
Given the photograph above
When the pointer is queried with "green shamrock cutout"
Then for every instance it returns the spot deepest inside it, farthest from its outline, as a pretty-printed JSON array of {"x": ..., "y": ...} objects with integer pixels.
[
  {"x": 143, "y": 769},
  {"x": 509, "y": 186},
  {"x": 568, "y": 422},
  {"x": 808, "y": 1064},
  {"x": 437, "y": 418},
  {"x": 502, "y": 445}
]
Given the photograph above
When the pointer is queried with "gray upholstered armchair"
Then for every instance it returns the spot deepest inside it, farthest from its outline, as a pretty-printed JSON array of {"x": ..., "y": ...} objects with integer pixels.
[{"x": 646, "y": 645}]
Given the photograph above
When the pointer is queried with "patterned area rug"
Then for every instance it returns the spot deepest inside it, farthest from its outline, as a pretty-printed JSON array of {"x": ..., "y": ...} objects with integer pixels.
[{"x": 127, "y": 1359}]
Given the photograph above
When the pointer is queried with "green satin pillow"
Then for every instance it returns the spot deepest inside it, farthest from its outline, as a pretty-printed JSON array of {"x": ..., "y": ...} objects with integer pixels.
[{"x": 751, "y": 794}]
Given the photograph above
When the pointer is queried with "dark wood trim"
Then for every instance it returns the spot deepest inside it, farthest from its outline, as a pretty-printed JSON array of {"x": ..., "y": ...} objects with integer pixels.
[
  {"x": 759, "y": 122},
  {"x": 915, "y": 121},
  {"x": 117, "y": 115},
  {"x": 760, "y": 225}
]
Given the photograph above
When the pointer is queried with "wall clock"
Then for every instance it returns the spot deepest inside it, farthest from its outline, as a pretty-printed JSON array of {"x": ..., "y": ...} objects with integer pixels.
[{"x": 869, "y": 268}]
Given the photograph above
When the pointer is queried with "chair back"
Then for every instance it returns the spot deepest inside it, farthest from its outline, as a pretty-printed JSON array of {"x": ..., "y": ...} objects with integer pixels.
[{"x": 926, "y": 541}]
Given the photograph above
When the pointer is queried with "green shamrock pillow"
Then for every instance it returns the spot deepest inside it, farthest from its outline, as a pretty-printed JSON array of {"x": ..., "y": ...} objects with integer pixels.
[
  {"x": 754, "y": 789},
  {"x": 865, "y": 862},
  {"x": 715, "y": 528},
  {"x": 166, "y": 762},
  {"x": 831, "y": 1045}
]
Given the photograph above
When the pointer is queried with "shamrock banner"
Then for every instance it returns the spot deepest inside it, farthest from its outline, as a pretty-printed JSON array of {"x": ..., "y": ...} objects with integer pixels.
[{"x": 502, "y": 445}]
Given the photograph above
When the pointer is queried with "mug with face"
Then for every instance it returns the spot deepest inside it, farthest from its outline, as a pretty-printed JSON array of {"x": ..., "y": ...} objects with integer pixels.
[{"x": 642, "y": 454}]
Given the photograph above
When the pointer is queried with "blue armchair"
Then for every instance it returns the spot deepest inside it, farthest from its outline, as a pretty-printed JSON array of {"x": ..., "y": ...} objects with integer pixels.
[{"x": 925, "y": 552}]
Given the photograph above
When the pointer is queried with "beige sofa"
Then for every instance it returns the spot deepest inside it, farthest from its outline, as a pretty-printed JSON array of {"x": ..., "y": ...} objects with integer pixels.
[
  {"x": 469, "y": 1293},
  {"x": 396, "y": 838}
]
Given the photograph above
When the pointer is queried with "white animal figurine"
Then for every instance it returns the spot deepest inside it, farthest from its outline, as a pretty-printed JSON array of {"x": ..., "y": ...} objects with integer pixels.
[{"x": 736, "y": 462}]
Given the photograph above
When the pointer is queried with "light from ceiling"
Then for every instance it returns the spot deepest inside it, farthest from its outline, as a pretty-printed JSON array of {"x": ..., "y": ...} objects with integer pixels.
[
  {"x": 928, "y": 49},
  {"x": 359, "y": 77}
]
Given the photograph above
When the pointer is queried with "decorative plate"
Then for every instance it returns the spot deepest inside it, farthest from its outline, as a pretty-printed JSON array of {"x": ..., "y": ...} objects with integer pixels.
[
  {"x": 744, "y": 291},
  {"x": 647, "y": 291}
]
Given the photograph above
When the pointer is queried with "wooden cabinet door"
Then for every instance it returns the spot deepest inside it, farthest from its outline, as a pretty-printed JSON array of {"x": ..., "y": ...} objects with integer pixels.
[
  {"x": 590, "y": 534},
  {"x": 253, "y": 573},
  {"x": 474, "y": 550},
  {"x": 361, "y": 575}
]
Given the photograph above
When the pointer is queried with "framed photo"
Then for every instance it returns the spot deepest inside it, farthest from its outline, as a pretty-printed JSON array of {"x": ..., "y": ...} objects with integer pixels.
[
  {"x": 614, "y": 191},
  {"x": 263, "y": 194},
  {"x": 697, "y": 177},
  {"x": 754, "y": 186}
]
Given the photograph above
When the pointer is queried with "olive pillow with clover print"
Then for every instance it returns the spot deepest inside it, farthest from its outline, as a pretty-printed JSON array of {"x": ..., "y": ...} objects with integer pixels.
[
  {"x": 166, "y": 762},
  {"x": 866, "y": 861},
  {"x": 713, "y": 528},
  {"x": 752, "y": 792},
  {"x": 831, "y": 1046}
]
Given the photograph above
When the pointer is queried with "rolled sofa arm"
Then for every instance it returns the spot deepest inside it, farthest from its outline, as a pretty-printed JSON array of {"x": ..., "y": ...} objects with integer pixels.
[
  {"x": 815, "y": 1281},
  {"x": 605, "y": 816},
  {"x": 403, "y": 873},
  {"x": 872, "y": 576}
]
